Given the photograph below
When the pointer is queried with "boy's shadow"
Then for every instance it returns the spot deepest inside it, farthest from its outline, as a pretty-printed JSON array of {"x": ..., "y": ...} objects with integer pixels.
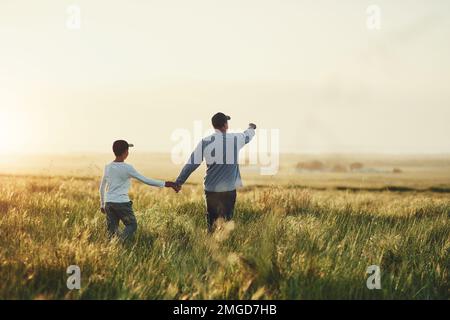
[{"x": 141, "y": 239}]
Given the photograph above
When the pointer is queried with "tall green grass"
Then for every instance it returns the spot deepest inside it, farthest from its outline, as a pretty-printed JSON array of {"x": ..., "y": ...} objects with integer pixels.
[{"x": 283, "y": 244}]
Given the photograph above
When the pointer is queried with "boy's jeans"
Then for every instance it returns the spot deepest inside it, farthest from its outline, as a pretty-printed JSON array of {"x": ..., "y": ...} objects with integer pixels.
[{"x": 116, "y": 212}]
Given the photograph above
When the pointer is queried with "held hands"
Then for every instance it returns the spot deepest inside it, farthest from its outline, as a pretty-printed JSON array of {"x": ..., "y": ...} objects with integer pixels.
[
  {"x": 176, "y": 187},
  {"x": 252, "y": 125}
]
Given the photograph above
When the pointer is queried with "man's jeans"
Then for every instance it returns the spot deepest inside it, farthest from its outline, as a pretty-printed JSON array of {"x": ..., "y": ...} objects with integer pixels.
[
  {"x": 219, "y": 205},
  {"x": 116, "y": 212}
]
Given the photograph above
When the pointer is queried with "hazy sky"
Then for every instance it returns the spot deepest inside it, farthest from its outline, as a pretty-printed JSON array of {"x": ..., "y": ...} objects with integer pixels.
[{"x": 141, "y": 69}]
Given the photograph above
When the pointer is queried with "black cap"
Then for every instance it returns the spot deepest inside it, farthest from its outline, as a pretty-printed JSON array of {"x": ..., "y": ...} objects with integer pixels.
[
  {"x": 219, "y": 119},
  {"x": 120, "y": 146}
]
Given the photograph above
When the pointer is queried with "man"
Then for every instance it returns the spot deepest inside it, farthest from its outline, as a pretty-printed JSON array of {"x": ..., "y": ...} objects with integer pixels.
[{"x": 221, "y": 152}]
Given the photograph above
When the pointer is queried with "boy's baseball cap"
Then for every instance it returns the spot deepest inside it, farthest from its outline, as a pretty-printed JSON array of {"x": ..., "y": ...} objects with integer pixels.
[
  {"x": 219, "y": 119},
  {"x": 120, "y": 146}
]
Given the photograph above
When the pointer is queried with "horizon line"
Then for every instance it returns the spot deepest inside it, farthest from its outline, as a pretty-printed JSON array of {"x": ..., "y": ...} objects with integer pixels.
[{"x": 361, "y": 153}]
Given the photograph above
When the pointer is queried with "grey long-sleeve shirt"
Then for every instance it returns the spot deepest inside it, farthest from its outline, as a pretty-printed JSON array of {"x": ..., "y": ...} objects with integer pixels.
[
  {"x": 116, "y": 182},
  {"x": 221, "y": 154}
]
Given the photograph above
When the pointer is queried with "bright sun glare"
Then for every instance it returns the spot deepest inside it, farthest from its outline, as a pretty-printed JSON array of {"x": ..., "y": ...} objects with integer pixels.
[{"x": 13, "y": 131}]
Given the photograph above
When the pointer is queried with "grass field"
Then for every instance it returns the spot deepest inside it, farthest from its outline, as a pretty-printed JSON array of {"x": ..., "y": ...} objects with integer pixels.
[{"x": 295, "y": 236}]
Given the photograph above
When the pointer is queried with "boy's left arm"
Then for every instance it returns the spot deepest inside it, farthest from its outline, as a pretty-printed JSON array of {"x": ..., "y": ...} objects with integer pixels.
[{"x": 151, "y": 182}]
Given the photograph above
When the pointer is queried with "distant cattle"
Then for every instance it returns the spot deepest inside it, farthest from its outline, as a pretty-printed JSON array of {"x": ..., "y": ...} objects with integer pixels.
[
  {"x": 356, "y": 166},
  {"x": 311, "y": 165}
]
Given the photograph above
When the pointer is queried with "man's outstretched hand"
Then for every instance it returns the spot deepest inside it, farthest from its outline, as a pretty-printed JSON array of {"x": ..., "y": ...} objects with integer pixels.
[
  {"x": 252, "y": 125},
  {"x": 176, "y": 187}
]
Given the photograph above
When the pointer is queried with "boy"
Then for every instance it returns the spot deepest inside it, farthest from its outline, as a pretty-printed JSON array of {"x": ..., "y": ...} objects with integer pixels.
[{"x": 116, "y": 183}]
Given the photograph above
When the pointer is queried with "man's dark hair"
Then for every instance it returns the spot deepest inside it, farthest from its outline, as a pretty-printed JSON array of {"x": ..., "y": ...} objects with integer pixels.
[
  {"x": 119, "y": 147},
  {"x": 219, "y": 120}
]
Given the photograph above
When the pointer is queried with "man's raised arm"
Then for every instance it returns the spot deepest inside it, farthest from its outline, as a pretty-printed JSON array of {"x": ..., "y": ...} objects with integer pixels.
[{"x": 247, "y": 135}]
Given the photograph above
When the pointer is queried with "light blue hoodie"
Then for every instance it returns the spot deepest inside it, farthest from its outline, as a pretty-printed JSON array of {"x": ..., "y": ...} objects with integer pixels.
[{"x": 221, "y": 154}]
